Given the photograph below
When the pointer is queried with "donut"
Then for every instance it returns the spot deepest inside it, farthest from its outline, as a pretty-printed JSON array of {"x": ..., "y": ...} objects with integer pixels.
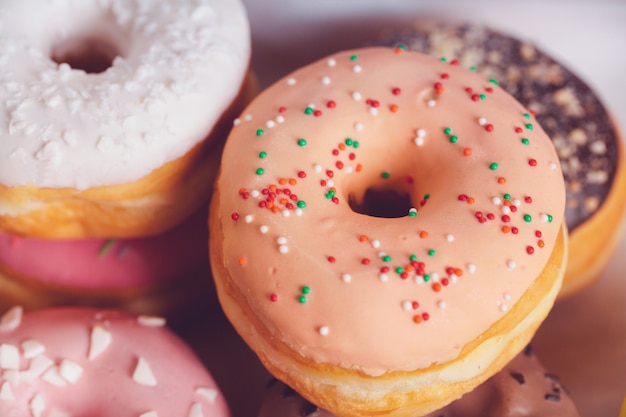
[
  {"x": 522, "y": 388},
  {"x": 584, "y": 133},
  {"x": 80, "y": 361},
  {"x": 386, "y": 230},
  {"x": 163, "y": 275},
  {"x": 113, "y": 113}
]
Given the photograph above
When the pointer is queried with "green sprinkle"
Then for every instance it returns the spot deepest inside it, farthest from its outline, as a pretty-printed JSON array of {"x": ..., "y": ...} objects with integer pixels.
[
  {"x": 355, "y": 144},
  {"x": 431, "y": 252},
  {"x": 412, "y": 257},
  {"x": 260, "y": 132},
  {"x": 308, "y": 110},
  {"x": 507, "y": 196},
  {"x": 527, "y": 115},
  {"x": 354, "y": 57},
  {"x": 426, "y": 196},
  {"x": 412, "y": 212},
  {"x": 550, "y": 218},
  {"x": 454, "y": 139},
  {"x": 349, "y": 142},
  {"x": 472, "y": 68},
  {"x": 385, "y": 174},
  {"x": 527, "y": 218},
  {"x": 386, "y": 258},
  {"x": 447, "y": 130},
  {"x": 525, "y": 141},
  {"x": 443, "y": 59},
  {"x": 493, "y": 81},
  {"x": 493, "y": 166},
  {"x": 399, "y": 270},
  {"x": 426, "y": 278},
  {"x": 260, "y": 171},
  {"x": 302, "y": 299},
  {"x": 306, "y": 289},
  {"x": 262, "y": 154},
  {"x": 106, "y": 247},
  {"x": 483, "y": 97},
  {"x": 301, "y": 204},
  {"x": 330, "y": 194},
  {"x": 529, "y": 126},
  {"x": 402, "y": 46},
  {"x": 302, "y": 142}
]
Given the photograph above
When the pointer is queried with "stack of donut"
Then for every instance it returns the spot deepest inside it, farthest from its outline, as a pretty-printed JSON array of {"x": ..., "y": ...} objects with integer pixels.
[
  {"x": 584, "y": 134},
  {"x": 112, "y": 119},
  {"x": 387, "y": 230}
]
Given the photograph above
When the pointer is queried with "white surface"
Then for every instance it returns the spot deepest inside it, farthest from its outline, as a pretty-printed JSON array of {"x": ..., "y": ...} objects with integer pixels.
[{"x": 584, "y": 339}]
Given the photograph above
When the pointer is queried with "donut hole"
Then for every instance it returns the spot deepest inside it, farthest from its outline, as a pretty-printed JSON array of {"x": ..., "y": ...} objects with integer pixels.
[
  {"x": 92, "y": 55},
  {"x": 378, "y": 202}
]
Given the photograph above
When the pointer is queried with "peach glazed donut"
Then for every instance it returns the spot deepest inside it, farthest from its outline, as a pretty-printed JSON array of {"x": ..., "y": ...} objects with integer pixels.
[
  {"x": 111, "y": 111},
  {"x": 113, "y": 115},
  {"x": 73, "y": 362},
  {"x": 584, "y": 134},
  {"x": 386, "y": 230}
]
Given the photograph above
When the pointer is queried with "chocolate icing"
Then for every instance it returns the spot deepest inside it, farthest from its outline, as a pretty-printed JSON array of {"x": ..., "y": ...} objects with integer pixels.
[
  {"x": 522, "y": 388},
  {"x": 566, "y": 107}
]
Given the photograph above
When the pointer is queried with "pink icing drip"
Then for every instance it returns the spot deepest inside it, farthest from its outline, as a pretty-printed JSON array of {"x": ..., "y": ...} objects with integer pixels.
[{"x": 103, "y": 264}]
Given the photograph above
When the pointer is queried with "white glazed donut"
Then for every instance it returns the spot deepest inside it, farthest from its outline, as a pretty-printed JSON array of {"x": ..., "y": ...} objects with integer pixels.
[
  {"x": 105, "y": 106},
  {"x": 75, "y": 362}
]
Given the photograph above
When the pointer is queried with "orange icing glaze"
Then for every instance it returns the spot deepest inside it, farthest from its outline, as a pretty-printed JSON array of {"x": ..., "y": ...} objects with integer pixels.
[{"x": 382, "y": 294}]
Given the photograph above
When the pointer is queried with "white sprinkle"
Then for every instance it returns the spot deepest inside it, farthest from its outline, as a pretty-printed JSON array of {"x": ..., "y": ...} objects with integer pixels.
[
  {"x": 100, "y": 340},
  {"x": 264, "y": 229},
  {"x": 511, "y": 264},
  {"x": 237, "y": 122},
  {"x": 506, "y": 210},
  {"x": 517, "y": 202},
  {"x": 544, "y": 218},
  {"x": 32, "y": 348},
  {"x": 270, "y": 123},
  {"x": 151, "y": 321},
  {"x": 281, "y": 240},
  {"x": 407, "y": 305},
  {"x": 11, "y": 319},
  {"x": 418, "y": 279},
  {"x": 291, "y": 81},
  {"x": 280, "y": 118},
  {"x": 38, "y": 366},
  {"x": 317, "y": 168},
  {"x": 553, "y": 166},
  {"x": 247, "y": 118},
  {"x": 346, "y": 278},
  {"x": 210, "y": 394},
  {"x": 53, "y": 377},
  {"x": 6, "y": 393},
  {"x": 13, "y": 376},
  {"x": 70, "y": 371},
  {"x": 299, "y": 212},
  {"x": 283, "y": 249},
  {"x": 442, "y": 305},
  {"x": 421, "y": 133},
  {"x": 349, "y": 170},
  {"x": 434, "y": 277},
  {"x": 248, "y": 218},
  {"x": 471, "y": 268},
  {"x": 255, "y": 193},
  {"x": 325, "y": 80},
  {"x": 450, "y": 237},
  {"x": 356, "y": 96},
  {"x": 496, "y": 201},
  {"x": 419, "y": 141},
  {"x": 506, "y": 296},
  {"x": 9, "y": 356},
  {"x": 357, "y": 68},
  {"x": 330, "y": 183},
  {"x": 331, "y": 62},
  {"x": 383, "y": 277},
  {"x": 143, "y": 374},
  {"x": 196, "y": 410},
  {"x": 482, "y": 121},
  {"x": 324, "y": 330},
  {"x": 286, "y": 213},
  {"x": 37, "y": 406},
  {"x": 358, "y": 126},
  {"x": 373, "y": 111},
  {"x": 504, "y": 308},
  {"x": 376, "y": 244},
  {"x": 149, "y": 414},
  {"x": 431, "y": 103}
]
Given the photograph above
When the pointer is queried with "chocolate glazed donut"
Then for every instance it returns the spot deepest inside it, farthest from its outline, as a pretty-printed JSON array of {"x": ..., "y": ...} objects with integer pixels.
[{"x": 585, "y": 136}]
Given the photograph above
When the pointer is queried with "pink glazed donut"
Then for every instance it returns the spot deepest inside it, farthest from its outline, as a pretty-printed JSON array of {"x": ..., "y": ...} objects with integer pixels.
[{"x": 76, "y": 362}]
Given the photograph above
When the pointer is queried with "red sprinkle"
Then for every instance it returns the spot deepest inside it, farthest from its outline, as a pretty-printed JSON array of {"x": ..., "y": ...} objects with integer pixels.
[
  {"x": 489, "y": 127},
  {"x": 331, "y": 104},
  {"x": 396, "y": 91},
  {"x": 530, "y": 250},
  {"x": 235, "y": 216},
  {"x": 274, "y": 297},
  {"x": 282, "y": 109},
  {"x": 532, "y": 162}
]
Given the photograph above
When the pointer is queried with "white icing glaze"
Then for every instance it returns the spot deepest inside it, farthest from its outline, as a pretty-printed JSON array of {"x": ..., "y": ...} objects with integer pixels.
[{"x": 181, "y": 65}]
